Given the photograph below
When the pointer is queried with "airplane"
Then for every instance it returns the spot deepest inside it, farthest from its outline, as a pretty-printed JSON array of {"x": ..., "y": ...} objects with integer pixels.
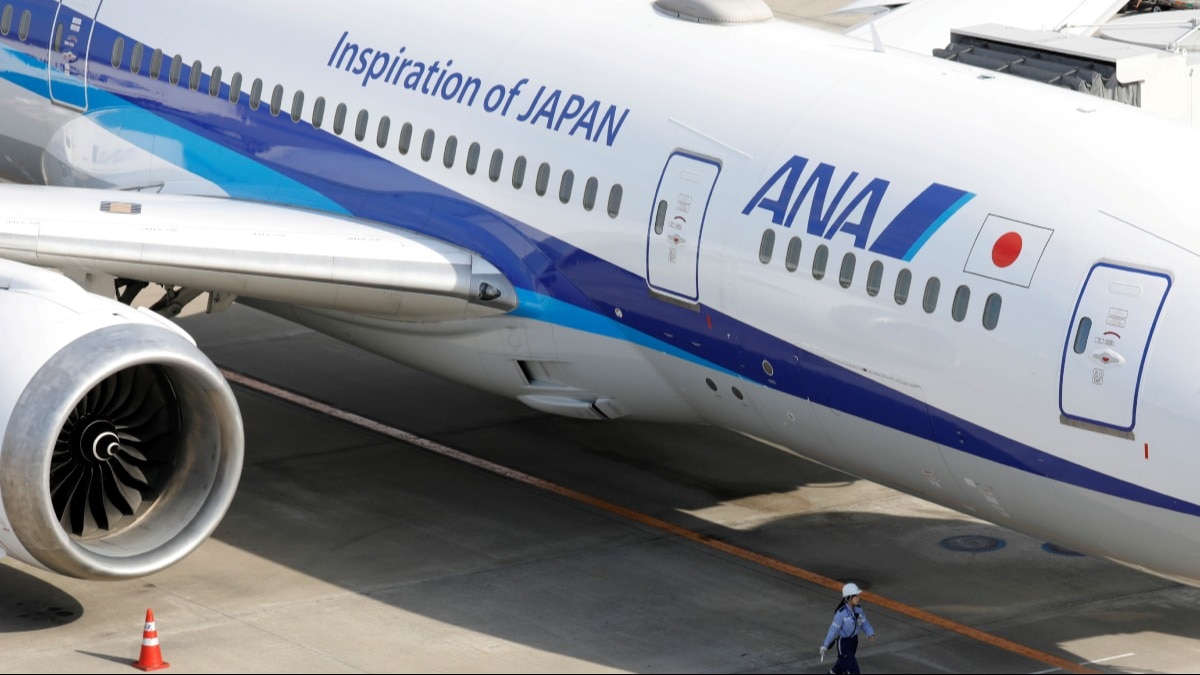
[{"x": 965, "y": 285}]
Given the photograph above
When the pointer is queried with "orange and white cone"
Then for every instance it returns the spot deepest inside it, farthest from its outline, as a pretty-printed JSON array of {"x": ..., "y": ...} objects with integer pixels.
[{"x": 151, "y": 657}]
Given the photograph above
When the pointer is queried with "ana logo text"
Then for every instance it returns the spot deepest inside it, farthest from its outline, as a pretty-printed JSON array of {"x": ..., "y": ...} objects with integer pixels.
[{"x": 852, "y": 206}]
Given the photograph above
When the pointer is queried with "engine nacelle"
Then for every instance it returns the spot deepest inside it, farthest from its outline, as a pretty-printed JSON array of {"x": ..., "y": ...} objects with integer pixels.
[{"x": 120, "y": 442}]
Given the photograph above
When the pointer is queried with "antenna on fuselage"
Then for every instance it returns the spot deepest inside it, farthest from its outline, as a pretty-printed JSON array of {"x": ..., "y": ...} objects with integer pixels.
[
  {"x": 875, "y": 34},
  {"x": 876, "y": 8}
]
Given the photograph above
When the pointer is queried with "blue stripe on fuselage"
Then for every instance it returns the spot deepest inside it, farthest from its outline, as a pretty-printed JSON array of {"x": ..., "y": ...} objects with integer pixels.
[
  {"x": 918, "y": 220},
  {"x": 257, "y": 156}
]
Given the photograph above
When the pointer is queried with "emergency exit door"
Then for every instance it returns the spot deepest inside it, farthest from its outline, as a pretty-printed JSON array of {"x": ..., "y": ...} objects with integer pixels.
[
  {"x": 677, "y": 225},
  {"x": 67, "y": 65},
  {"x": 1105, "y": 351}
]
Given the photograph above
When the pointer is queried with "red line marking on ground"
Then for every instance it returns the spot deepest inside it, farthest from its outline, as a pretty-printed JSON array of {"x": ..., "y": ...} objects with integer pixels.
[{"x": 650, "y": 521}]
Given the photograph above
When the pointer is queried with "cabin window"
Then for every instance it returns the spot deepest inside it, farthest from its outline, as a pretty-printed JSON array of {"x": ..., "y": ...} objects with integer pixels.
[
  {"x": 427, "y": 145},
  {"x": 1082, "y": 333},
  {"x": 903, "y": 284},
  {"x": 932, "y": 288},
  {"x": 820, "y": 260},
  {"x": 565, "y": 185},
  {"x": 991, "y": 311},
  {"x": 318, "y": 113},
  {"x": 118, "y": 53},
  {"x": 135, "y": 59},
  {"x": 472, "y": 159},
  {"x": 214, "y": 82},
  {"x": 518, "y": 175},
  {"x": 256, "y": 93},
  {"x": 23, "y": 28},
  {"x": 156, "y": 64},
  {"x": 660, "y": 217},
  {"x": 846, "y": 274},
  {"x": 614, "y": 200},
  {"x": 590, "y": 188},
  {"x": 297, "y": 105},
  {"x": 360, "y": 125},
  {"x": 176, "y": 69},
  {"x": 962, "y": 298},
  {"x": 543, "y": 179},
  {"x": 405, "y": 138},
  {"x": 194, "y": 76},
  {"x": 381, "y": 134},
  {"x": 874, "y": 278},
  {"x": 6, "y": 20},
  {"x": 235, "y": 87},
  {"x": 766, "y": 247},
  {"x": 339, "y": 119},
  {"x": 792, "y": 259},
  {"x": 449, "y": 151},
  {"x": 496, "y": 165},
  {"x": 276, "y": 100}
]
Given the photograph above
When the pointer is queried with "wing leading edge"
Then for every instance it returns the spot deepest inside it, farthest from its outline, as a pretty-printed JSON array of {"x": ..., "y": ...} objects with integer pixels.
[{"x": 248, "y": 249}]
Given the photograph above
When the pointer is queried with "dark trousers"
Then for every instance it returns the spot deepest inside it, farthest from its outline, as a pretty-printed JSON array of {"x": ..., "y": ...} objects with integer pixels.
[{"x": 846, "y": 663}]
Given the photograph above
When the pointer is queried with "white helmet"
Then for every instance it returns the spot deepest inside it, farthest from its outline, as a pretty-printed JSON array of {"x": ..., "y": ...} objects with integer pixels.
[{"x": 850, "y": 589}]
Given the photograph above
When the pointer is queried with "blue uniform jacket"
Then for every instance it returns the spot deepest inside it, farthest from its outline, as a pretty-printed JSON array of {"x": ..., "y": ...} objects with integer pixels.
[{"x": 846, "y": 622}]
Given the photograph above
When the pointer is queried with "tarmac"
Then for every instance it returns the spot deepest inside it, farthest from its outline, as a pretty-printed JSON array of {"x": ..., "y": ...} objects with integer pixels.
[
  {"x": 390, "y": 521},
  {"x": 558, "y": 545}
]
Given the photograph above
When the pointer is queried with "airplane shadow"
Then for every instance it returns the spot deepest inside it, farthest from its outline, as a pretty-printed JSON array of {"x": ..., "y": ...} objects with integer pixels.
[{"x": 323, "y": 504}]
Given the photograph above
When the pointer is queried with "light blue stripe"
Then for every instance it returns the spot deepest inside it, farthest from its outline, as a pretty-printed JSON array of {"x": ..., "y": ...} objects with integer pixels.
[
  {"x": 541, "y": 307},
  {"x": 933, "y": 227}
]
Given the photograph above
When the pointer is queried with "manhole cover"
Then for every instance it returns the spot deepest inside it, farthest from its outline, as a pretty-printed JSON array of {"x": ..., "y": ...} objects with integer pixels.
[{"x": 972, "y": 543}]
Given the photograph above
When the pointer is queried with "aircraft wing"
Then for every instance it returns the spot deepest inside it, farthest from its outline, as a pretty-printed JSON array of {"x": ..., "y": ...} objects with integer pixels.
[
  {"x": 233, "y": 247},
  {"x": 923, "y": 25}
]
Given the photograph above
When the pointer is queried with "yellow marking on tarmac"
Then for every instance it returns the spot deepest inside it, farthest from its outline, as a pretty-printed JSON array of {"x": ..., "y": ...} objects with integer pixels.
[{"x": 650, "y": 521}]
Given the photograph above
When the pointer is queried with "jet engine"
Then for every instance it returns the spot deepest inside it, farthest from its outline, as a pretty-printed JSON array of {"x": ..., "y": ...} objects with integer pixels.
[{"x": 120, "y": 442}]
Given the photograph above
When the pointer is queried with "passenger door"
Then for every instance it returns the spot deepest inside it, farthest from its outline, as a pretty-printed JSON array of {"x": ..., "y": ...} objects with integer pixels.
[
  {"x": 677, "y": 225},
  {"x": 67, "y": 65},
  {"x": 1106, "y": 348}
]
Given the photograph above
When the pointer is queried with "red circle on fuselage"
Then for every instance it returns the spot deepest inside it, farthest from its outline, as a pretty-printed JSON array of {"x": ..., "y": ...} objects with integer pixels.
[{"x": 1006, "y": 249}]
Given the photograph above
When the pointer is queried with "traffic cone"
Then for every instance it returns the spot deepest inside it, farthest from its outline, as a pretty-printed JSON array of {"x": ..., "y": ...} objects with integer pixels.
[{"x": 151, "y": 657}]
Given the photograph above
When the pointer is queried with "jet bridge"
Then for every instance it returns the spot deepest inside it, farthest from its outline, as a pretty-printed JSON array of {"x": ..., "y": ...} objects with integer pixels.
[{"x": 1143, "y": 60}]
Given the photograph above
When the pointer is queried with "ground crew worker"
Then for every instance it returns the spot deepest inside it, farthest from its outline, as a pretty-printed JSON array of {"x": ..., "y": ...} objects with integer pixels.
[{"x": 847, "y": 619}]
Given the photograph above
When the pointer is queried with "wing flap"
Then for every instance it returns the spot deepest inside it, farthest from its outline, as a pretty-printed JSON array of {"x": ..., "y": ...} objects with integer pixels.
[{"x": 249, "y": 249}]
